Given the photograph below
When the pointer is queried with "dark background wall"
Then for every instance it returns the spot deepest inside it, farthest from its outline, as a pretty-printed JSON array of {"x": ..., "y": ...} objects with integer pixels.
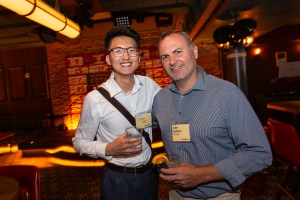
[
  {"x": 262, "y": 69},
  {"x": 24, "y": 82},
  {"x": 263, "y": 74}
]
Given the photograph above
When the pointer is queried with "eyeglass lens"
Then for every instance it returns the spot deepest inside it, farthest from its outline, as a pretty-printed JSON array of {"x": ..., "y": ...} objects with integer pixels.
[{"x": 119, "y": 51}]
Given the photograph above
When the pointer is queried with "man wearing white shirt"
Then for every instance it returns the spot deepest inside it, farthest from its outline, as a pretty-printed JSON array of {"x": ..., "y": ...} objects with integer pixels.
[{"x": 128, "y": 173}]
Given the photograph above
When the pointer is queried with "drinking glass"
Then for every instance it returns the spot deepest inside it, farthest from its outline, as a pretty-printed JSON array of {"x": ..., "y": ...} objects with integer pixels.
[
  {"x": 173, "y": 160},
  {"x": 133, "y": 132}
]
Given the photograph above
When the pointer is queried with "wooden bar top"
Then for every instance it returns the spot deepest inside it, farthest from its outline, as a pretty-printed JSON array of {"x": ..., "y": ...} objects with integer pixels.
[{"x": 292, "y": 106}]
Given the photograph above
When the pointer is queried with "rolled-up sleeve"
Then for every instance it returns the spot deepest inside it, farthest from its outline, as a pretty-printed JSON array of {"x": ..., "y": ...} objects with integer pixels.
[{"x": 252, "y": 149}]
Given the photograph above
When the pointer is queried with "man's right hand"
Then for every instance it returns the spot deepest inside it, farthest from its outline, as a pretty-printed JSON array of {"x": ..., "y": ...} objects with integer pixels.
[{"x": 124, "y": 147}]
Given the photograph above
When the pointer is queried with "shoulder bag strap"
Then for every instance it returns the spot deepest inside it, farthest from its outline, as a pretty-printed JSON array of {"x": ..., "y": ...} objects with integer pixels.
[
  {"x": 117, "y": 105},
  {"x": 124, "y": 111}
]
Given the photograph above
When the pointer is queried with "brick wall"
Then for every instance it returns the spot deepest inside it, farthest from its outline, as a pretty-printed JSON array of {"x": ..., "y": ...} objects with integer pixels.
[
  {"x": 208, "y": 59},
  {"x": 58, "y": 71}
]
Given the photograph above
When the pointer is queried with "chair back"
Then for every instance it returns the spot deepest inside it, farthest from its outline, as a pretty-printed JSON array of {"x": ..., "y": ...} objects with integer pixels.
[
  {"x": 285, "y": 141},
  {"x": 28, "y": 177}
]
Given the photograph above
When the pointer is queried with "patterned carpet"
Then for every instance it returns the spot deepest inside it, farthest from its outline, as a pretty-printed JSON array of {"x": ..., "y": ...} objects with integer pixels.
[
  {"x": 83, "y": 183},
  {"x": 63, "y": 183},
  {"x": 80, "y": 183}
]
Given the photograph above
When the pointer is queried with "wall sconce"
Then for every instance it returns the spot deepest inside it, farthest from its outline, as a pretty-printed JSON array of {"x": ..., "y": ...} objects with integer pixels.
[
  {"x": 257, "y": 51},
  {"x": 42, "y": 13}
]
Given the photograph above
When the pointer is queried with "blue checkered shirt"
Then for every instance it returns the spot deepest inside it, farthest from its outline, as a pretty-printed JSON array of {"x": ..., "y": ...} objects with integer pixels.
[{"x": 224, "y": 131}]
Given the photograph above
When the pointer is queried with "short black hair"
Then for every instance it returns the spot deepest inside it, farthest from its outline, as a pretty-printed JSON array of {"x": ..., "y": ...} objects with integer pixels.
[{"x": 121, "y": 31}]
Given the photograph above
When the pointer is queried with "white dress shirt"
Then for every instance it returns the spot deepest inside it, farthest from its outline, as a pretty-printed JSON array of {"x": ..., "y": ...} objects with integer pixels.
[{"x": 101, "y": 119}]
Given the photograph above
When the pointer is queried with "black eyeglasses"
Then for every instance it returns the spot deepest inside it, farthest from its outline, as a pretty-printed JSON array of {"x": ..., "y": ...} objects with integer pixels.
[{"x": 119, "y": 51}]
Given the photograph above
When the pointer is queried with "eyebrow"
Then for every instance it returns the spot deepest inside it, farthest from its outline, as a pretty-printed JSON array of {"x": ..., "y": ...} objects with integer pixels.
[
  {"x": 172, "y": 52},
  {"x": 125, "y": 47},
  {"x": 177, "y": 49}
]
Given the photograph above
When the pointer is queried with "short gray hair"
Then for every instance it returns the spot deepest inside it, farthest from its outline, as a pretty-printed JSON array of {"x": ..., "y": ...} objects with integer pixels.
[{"x": 169, "y": 32}]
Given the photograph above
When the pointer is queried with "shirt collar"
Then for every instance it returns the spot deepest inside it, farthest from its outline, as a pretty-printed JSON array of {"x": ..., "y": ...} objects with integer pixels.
[
  {"x": 201, "y": 83},
  {"x": 115, "y": 89}
]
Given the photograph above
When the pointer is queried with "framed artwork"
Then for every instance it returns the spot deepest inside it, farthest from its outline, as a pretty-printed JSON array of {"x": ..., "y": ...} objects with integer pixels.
[{"x": 280, "y": 57}]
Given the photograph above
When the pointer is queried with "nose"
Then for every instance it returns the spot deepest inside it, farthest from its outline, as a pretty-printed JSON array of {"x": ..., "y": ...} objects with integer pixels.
[
  {"x": 126, "y": 54},
  {"x": 172, "y": 59}
]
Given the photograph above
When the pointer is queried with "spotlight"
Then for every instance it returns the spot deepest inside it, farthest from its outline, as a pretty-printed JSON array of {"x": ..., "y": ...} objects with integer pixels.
[
  {"x": 244, "y": 28},
  {"x": 248, "y": 41},
  {"x": 121, "y": 18},
  {"x": 83, "y": 15},
  {"x": 223, "y": 34},
  {"x": 139, "y": 17},
  {"x": 46, "y": 35},
  {"x": 163, "y": 19}
]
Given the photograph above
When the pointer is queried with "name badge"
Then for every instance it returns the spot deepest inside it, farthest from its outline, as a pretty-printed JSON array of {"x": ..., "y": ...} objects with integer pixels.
[
  {"x": 181, "y": 133},
  {"x": 143, "y": 120}
]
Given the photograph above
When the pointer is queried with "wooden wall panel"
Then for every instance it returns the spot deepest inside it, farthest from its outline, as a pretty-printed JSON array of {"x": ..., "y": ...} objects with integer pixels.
[
  {"x": 2, "y": 85},
  {"x": 37, "y": 77},
  {"x": 17, "y": 83},
  {"x": 26, "y": 82}
]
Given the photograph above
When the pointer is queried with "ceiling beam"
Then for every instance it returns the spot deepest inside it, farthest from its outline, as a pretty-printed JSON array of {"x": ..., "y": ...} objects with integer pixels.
[{"x": 208, "y": 14}]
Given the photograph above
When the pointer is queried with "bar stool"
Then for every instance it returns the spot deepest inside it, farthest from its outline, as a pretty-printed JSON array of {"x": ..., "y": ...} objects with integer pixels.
[
  {"x": 286, "y": 144},
  {"x": 28, "y": 177}
]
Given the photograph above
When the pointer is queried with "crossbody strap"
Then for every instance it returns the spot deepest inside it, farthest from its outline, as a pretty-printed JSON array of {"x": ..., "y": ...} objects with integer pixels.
[
  {"x": 124, "y": 111},
  {"x": 117, "y": 105}
]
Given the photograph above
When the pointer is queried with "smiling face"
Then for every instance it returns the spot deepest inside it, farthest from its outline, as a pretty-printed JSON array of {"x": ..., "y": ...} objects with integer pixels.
[
  {"x": 178, "y": 58},
  {"x": 126, "y": 64}
]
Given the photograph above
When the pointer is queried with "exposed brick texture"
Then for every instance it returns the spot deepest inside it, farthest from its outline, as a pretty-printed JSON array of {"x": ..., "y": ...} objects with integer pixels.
[{"x": 58, "y": 53}]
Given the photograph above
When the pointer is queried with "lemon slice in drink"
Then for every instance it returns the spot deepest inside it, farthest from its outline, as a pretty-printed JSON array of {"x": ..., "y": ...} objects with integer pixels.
[{"x": 159, "y": 159}]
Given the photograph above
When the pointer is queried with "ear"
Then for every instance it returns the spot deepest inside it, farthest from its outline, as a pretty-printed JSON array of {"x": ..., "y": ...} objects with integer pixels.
[
  {"x": 107, "y": 60},
  {"x": 195, "y": 49}
]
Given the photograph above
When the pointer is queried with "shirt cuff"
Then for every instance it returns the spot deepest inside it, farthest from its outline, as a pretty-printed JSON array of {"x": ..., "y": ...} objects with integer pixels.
[
  {"x": 230, "y": 172},
  {"x": 100, "y": 151}
]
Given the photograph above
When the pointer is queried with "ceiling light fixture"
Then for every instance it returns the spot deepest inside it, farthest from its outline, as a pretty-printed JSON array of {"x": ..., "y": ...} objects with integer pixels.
[
  {"x": 47, "y": 35},
  {"x": 237, "y": 35},
  {"x": 122, "y": 18},
  {"x": 163, "y": 19},
  {"x": 84, "y": 12},
  {"x": 43, "y": 14}
]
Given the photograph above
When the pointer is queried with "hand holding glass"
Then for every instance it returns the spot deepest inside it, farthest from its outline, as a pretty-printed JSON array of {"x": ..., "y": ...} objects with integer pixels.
[
  {"x": 133, "y": 132},
  {"x": 173, "y": 161}
]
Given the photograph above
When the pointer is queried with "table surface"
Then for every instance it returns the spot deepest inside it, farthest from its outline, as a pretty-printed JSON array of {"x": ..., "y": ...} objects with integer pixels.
[
  {"x": 8, "y": 188},
  {"x": 285, "y": 106}
]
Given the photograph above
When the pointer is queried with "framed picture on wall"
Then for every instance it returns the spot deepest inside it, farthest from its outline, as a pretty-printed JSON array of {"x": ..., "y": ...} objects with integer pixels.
[{"x": 280, "y": 57}]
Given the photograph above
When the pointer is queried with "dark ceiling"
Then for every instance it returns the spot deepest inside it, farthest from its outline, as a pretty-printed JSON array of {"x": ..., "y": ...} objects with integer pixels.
[{"x": 198, "y": 17}]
